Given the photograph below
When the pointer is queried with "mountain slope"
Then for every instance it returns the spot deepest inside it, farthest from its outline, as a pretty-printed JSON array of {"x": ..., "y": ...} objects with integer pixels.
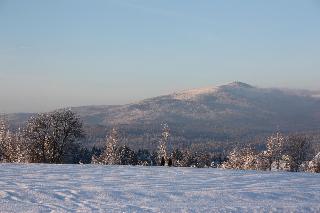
[{"x": 233, "y": 105}]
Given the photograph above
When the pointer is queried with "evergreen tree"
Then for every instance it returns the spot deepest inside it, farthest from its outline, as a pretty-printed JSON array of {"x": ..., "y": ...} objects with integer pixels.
[
  {"x": 177, "y": 158},
  {"x": 110, "y": 155},
  {"x": 127, "y": 156},
  {"x": 20, "y": 152},
  {"x": 187, "y": 159},
  {"x": 3, "y": 136},
  {"x": 162, "y": 148},
  {"x": 144, "y": 157},
  {"x": 12, "y": 146},
  {"x": 274, "y": 151}
]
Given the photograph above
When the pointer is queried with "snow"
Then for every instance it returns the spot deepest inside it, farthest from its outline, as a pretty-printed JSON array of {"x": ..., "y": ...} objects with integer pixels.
[
  {"x": 193, "y": 93},
  {"x": 97, "y": 188}
]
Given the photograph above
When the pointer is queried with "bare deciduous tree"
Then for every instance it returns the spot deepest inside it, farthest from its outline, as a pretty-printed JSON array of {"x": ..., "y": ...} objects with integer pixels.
[
  {"x": 299, "y": 150},
  {"x": 51, "y": 135},
  {"x": 244, "y": 158}
]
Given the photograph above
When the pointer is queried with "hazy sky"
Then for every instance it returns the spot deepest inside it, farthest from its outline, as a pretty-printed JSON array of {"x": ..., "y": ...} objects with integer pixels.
[{"x": 72, "y": 52}]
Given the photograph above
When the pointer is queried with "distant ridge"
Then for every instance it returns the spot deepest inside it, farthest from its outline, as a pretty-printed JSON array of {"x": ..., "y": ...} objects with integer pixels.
[{"x": 223, "y": 112}]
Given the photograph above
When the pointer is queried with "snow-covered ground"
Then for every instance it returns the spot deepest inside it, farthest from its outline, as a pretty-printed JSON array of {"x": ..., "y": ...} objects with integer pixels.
[{"x": 94, "y": 188}]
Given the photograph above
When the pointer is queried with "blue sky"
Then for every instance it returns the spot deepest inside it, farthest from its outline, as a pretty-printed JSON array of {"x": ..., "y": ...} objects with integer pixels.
[{"x": 69, "y": 53}]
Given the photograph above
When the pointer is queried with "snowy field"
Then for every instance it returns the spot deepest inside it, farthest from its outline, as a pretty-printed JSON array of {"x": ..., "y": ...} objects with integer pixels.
[{"x": 93, "y": 188}]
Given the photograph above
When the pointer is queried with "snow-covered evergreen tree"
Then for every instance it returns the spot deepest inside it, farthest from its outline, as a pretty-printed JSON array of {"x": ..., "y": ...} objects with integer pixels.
[
  {"x": 3, "y": 136},
  {"x": 12, "y": 146},
  {"x": 162, "y": 148},
  {"x": 16, "y": 148},
  {"x": 186, "y": 159},
  {"x": 110, "y": 155},
  {"x": 21, "y": 147},
  {"x": 6, "y": 140},
  {"x": 274, "y": 150},
  {"x": 127, "y": 156}
]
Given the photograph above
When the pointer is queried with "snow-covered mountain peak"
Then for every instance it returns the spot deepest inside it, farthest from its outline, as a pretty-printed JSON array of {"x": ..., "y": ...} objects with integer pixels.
[
  {"x": 193, "y": 93},
  {"x": 238, "y": 84}
]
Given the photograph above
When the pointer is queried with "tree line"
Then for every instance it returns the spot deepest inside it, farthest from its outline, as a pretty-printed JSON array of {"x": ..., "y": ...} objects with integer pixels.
[
  {"x": 56, "y": 137},
  {"x": 282, "y": 153}
]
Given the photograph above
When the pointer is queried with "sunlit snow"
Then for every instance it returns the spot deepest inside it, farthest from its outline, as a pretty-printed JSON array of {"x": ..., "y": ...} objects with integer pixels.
[
  {"x": 190, "y": 94},
  {"x": 95, "y": 188}
]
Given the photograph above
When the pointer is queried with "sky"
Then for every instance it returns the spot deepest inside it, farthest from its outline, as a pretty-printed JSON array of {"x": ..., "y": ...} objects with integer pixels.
[{"x": 61, "y": 53}]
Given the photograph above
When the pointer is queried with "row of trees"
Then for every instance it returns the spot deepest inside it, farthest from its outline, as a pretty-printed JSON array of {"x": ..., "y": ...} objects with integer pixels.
[
  {"x": 55, "y": 138},
  {"x": 293, "y": 153},
  {"x": 115, "y": 154}
]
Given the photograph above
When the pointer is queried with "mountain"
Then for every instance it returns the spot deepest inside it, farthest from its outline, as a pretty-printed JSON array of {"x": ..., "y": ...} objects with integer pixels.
[
  {"x": 233, "y": 105},
  {"x": 226, "y": 112}
]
